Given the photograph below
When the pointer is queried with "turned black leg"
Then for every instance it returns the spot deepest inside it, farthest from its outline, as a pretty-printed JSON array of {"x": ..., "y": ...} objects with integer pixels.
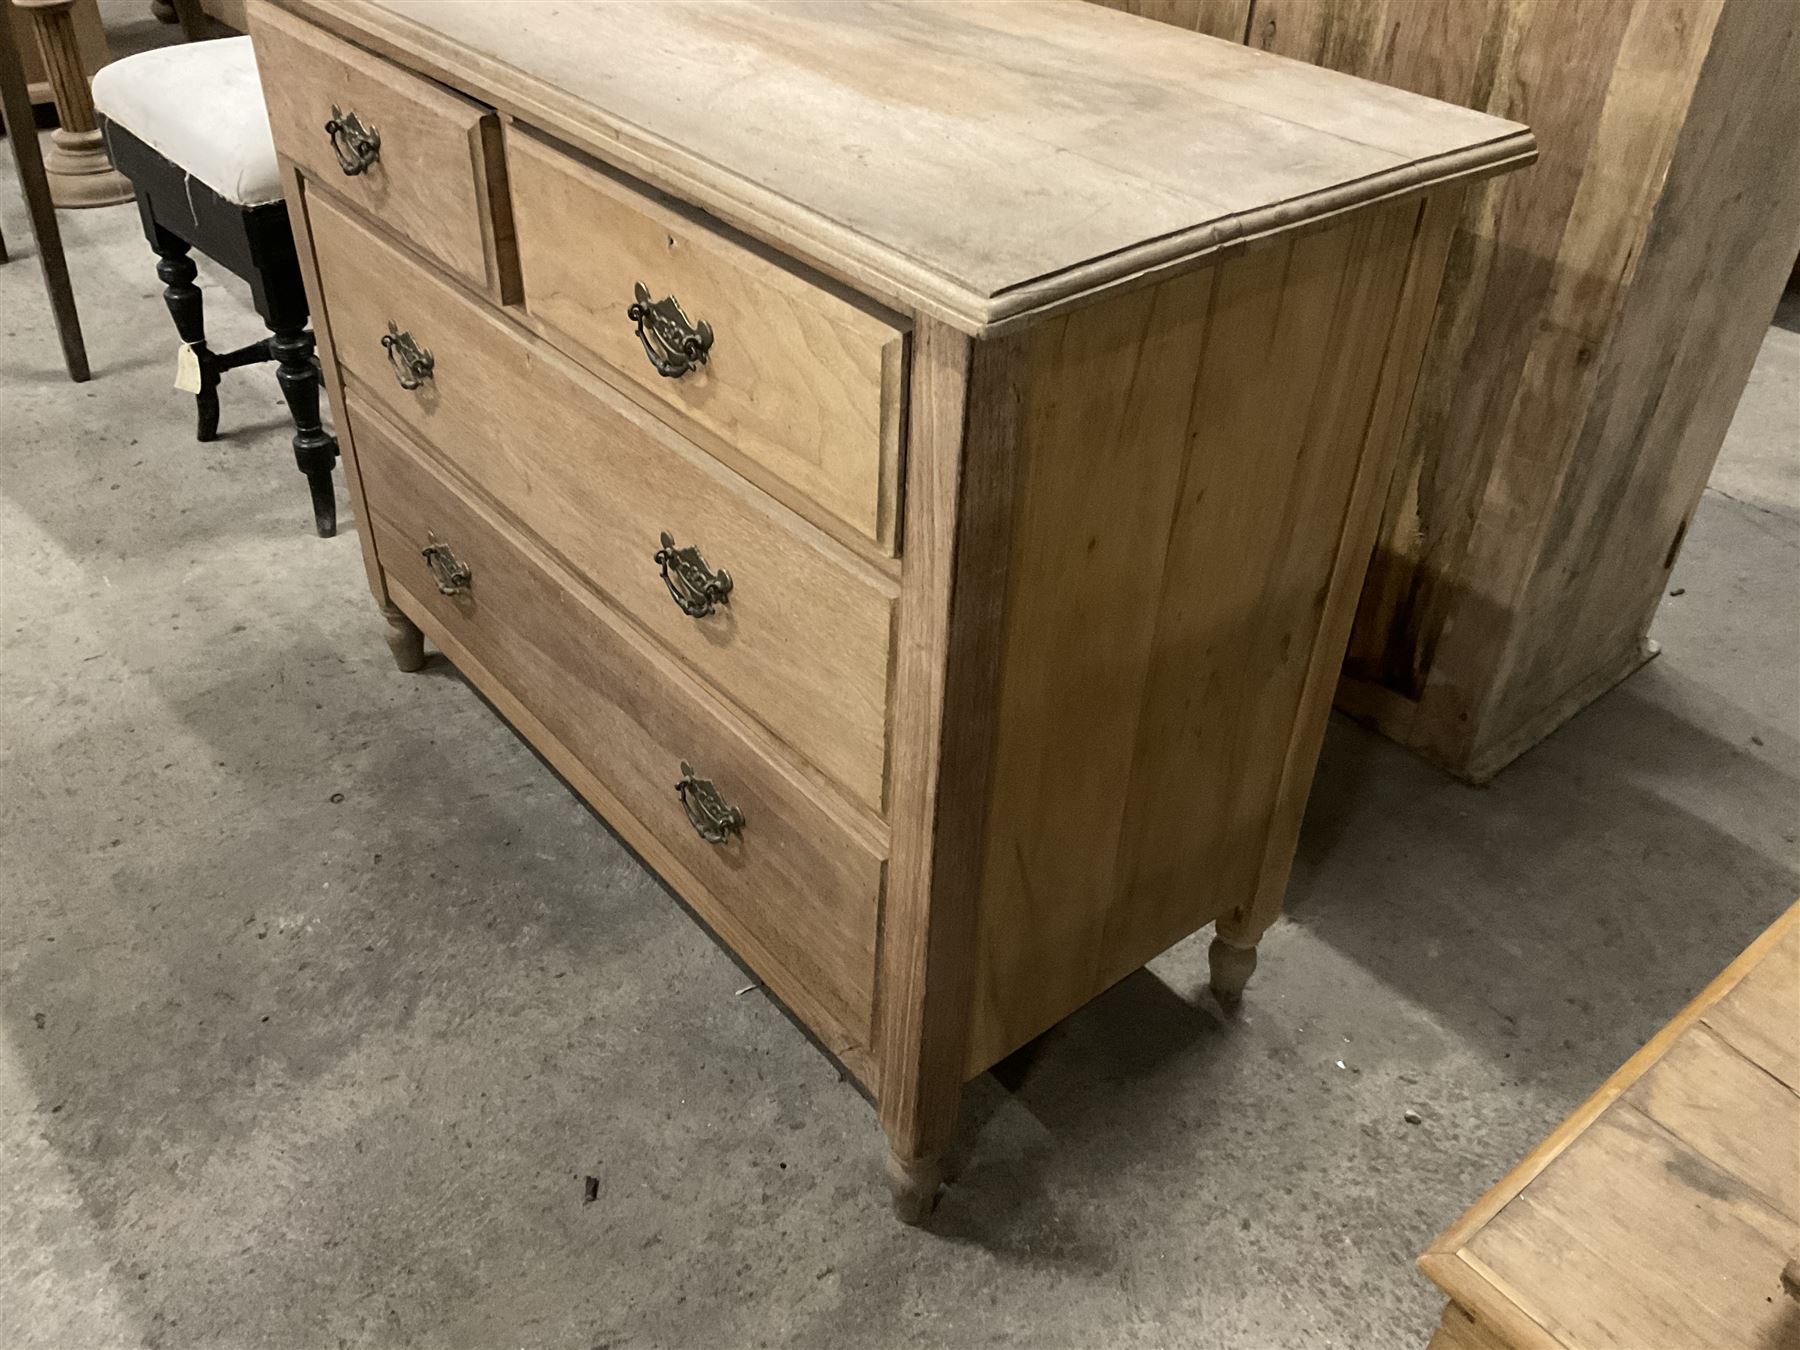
[
  {"x": 315, "y": 449},
  {"x": 187, "y": 308}
]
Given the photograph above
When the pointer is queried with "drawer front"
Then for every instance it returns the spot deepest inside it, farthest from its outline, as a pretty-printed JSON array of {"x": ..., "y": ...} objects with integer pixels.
[
  {"x": 800, "y": 384},
  {"x": 436, "y": 177},
  {"x": 800, "y": 641},
  {"x": 791, "y": 889}
]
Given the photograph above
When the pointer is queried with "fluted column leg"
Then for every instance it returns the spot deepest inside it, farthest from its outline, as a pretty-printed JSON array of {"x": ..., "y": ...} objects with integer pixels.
[{"x": 78, "y": 168}]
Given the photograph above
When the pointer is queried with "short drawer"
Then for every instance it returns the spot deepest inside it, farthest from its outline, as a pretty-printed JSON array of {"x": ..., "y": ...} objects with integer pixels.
[
  {"x": 784, "y": 881},
  {"x": 425, "y": 162},
  {"x": 802, "y": 383},
  {"x": 801, "y": 639}
]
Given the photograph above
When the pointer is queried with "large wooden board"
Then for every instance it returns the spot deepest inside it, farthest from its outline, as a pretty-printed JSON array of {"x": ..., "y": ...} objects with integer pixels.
[
  {"x": 977, "y": 162},
  {"x": 1181, "y": 510},
  {"x": 1599, "y": 321},
  {"x": 1662, "y": 1212}
]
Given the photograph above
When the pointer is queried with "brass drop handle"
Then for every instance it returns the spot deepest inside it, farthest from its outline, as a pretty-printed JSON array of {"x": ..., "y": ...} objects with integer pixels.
[
  {"x": 355, "y": 145},
  {"x": 453, "y": 575},
  {"x": 694, "y": 585},
  {"x": 413, "y": 364},
  {"x": 713, "y": 818},
  {"x": 674, "y": 343}
]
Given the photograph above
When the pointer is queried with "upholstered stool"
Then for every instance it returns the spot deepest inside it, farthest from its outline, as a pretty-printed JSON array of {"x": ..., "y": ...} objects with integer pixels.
[{"x": 188, "y": 127}]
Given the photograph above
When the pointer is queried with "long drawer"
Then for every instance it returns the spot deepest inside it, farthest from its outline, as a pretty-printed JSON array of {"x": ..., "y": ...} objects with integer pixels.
[
  {"x": 801, "y": 382},
  {"x": 789, "y": 886},
  {"x": 801, "y": 639},
  {"x": 408, "y": 151}
]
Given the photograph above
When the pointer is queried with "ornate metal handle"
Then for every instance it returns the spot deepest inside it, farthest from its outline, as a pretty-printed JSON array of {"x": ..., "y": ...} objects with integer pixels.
[
  {"x": 454, "y": 576},
  {"x": 713, "y": 819},
  {"x": 356, "y": 146},
  {"x": 695, "y": 586},
  {"x": 674, "y": 344},
  {"x": 412, "y": 363}
]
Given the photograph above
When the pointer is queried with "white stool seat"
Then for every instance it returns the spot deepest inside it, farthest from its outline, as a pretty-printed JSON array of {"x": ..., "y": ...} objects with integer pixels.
[{"x": 200, "y": 106}]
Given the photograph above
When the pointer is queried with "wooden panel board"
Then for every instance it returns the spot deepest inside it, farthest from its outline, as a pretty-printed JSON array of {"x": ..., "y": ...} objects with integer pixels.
[
  {"x": 1159, "y": 631},
  {"x": 802, "y": 382},
  {"x": 1663, "y": 1210},
  {"x": 803, "y": 646},
  {"x": 1587, "y": 1249},
  {"x": 1052, "y": 150},
  {"x": 1714, "y": 254},
  {"x": 1730, "y": 1110},
  {"x": 1600, "y": 318},
  {"x": 1758, "y": 1017}
]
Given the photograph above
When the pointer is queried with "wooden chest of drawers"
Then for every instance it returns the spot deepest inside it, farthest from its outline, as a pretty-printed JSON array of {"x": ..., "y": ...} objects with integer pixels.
[{"x": 910, "y": 467}]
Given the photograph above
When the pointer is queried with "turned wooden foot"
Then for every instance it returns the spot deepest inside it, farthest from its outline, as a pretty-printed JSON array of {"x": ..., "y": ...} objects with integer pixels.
[
  {"x": 404, "y": 639},
  {"x": 1231, "y": 966},
  {"x": 915, "y": 1184}
]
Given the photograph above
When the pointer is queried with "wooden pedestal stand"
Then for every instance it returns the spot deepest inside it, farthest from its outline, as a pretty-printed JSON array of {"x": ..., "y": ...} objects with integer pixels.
[{"x": 79, "y": 171}]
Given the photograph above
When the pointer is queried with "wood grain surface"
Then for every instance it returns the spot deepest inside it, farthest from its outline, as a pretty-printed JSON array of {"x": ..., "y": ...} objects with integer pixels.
[
  {"x": 438, "y": 178},
  {"x": 1599, "y": 321},
  {"x": 960, "y": 487},
  {"x": 803, "y": 646},
  {"x": 794, "y": 885},
  {"x": 1664, "y": 1209},
  {"x": 802, "y": 383},
  {"x": 976, "y": 162},
  {"x": 1189, "y": 466}
]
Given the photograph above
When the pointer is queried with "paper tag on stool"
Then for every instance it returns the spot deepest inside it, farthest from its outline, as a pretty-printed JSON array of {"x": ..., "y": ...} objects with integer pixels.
[{"x": 187, "y": 370}]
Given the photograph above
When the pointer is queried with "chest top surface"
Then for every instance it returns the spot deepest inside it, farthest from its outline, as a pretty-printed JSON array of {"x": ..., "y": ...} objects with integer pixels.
[{"x": 980, "y": 161}]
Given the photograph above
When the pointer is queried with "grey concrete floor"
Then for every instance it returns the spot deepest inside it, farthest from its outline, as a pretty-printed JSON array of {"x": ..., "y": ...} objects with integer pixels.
[{"x": 320, "y": 995}]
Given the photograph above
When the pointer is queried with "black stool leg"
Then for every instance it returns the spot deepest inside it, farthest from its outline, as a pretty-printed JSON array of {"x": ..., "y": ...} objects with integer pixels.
[
  {"x": 315, "y": 449},
  {"x": 187, "y": 308}
]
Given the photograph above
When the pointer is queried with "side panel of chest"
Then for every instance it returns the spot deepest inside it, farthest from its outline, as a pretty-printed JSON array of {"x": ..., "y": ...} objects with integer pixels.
[{"x": 1194, "y": 465}]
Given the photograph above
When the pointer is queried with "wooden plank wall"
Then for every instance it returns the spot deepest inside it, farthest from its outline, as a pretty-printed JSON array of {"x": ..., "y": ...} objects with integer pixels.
[{"x": 1598, "y": 322}]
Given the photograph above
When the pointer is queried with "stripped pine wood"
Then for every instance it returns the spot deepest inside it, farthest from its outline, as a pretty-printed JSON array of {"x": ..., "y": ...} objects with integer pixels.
[
  {"x": 801, "y": 383},
  {"x": 1664, "y": 1209},
  {"x": 1157, "y": 636},
  {"x": 437, "y": 178},
  {"x": 1228, "y": 19},
  {"x": 793, "y": 882},
  {"x": 1600, "y": 321},
  {"x": 1594, "y": 1272},
  {"x": 1009, "y": 712},
  {"x": 908, "y": 181},
  {"x": 960, "y": 466},
  {"x": 1702, "y": 1091},
  {"x": 1755, "y": 1018},
  {"x": 804, "y": 640},
  {"x": 1457, "y": 1330}
]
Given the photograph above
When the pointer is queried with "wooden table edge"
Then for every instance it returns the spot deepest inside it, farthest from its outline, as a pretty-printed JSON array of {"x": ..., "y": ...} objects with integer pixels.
[
  {"x": 1445, "y": 1263},
  {"x": 886, "y": 273}
]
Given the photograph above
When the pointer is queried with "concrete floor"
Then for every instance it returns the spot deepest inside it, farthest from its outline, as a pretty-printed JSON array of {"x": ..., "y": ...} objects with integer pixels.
[{"x": 320, "y": 995}]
